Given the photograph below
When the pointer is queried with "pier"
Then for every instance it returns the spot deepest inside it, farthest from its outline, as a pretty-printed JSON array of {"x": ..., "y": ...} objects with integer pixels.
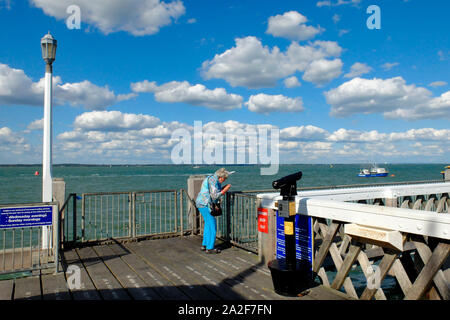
[
  {"x": 162, "y": 269},
  {"x": 143, "y": 245}
]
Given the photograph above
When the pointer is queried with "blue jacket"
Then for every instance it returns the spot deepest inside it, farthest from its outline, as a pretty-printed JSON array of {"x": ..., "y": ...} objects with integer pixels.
[{"x": 209, "y": 195}]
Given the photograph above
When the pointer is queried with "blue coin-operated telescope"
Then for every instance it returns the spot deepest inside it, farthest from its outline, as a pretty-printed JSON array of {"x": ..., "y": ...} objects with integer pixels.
[{"x": 289, "y": 275}]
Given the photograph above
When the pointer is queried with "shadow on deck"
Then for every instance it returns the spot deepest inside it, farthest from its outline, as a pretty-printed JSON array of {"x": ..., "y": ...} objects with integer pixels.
[{"x": 164, "y": 269}]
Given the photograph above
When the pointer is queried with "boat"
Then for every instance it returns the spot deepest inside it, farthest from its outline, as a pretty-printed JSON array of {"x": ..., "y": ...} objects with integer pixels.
[{"x": 373, "y": 172}]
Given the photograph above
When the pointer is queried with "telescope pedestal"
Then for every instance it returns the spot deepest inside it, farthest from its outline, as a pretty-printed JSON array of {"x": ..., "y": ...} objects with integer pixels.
[{"x": 290, "y": 280}]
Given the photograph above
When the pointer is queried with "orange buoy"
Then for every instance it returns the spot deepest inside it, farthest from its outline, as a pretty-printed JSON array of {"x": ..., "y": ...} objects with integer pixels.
[
  {"x": 36, "y": 173},
  {"x": 392, "y": 175}
]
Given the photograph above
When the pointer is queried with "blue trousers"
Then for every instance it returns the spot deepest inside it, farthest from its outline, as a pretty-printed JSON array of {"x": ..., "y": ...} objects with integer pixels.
[{"x": 210, "y": 230}]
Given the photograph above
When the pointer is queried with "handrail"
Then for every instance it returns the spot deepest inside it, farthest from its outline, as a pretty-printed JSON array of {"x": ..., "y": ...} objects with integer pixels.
[{"x": 350, "y": 186}]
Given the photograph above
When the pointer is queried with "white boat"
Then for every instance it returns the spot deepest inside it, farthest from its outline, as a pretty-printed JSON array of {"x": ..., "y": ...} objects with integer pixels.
[{"x": 373, "y": 172}]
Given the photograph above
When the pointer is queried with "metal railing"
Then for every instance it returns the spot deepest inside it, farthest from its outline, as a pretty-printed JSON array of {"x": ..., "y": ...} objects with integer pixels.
[
  {"x": 97, "y": 217},
  {"x": 104, "y": 216}
]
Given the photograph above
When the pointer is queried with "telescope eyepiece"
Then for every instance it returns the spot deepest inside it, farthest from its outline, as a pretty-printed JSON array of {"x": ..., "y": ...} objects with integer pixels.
[{"x": 288, "y": 185}]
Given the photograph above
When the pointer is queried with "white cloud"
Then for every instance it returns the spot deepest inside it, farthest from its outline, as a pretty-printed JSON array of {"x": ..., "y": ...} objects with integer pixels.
[
  {"x": 37, "y": 124},
  {"x": 292, "y": 82},
  {"x": 113, "y": 136},
  {"x": 138, "y": 17},
  {"x": 358, "y": 69},
  {"x": 438, "y": 84},
  {"x": 292, "y": 25},
  {"x": 303, "y": 133},
  {"x": 343, "y": 31},
  {"x": 264, "y": 103},
  {"x": 323, "y": 71},
  {"x": 391, "y": 97},
  {"x": 388, "y": 66},
  {"x": 114, "y": 121},
  {"x": 198, "y": 95},
  {"x": 16, "y": 88},
  {"x": 252, "y": 65},
  {"x": 330, "y": 3},
  {"x": 12, "y": 142},
  {"x": 336, "y": 18},
  {"x": 345, "y": 135},
  {"x": 88, "y": 95}
]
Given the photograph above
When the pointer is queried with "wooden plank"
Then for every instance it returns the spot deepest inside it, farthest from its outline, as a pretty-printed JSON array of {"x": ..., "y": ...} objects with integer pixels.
[
  {"x": 240, "y": 277},
  {"x": 87, "y": 290},
  {"x": 423, "y": 281},
  {"x": 439, "y": 279},
  {"x": 163, "y": 287},
  {"x": 401, "y": 276},
  {"x": 384, "y": 267},
  {"x": 346, "y": 266},
  {"x": 28, "y": 288},
  {"x": 6, "y": 289},
  {"x": 324, "y": 293},
  {"x": 107, "y": 285},
  {"x": 54, "y": 287},
  {"x": 204, "y": 272},
  {"x": 244, "y": 265},
  {"x": 135, "y": 286},
  {"x": 348, "y": 285},
  {"x": 323, "y": 275},
  {"x": 367, "y": 269},
  {"x": 325, "y": 246},
  {"x": 180, "y": 278}
]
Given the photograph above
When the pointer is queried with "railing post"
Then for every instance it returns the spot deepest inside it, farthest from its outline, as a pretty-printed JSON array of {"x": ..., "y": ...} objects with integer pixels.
[
  {"x": 74, "y": 216},
  {"x": 83, "y": 207},
  {"x": 132, "y": 214},
  {"x": 181, "y": 212},
  {"x": 229, "y": 199},
  {"x": 175, "y": 193}
]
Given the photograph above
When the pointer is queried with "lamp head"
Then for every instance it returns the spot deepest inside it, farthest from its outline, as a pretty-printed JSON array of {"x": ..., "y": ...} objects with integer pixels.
[{"x": 48, "y": 46}]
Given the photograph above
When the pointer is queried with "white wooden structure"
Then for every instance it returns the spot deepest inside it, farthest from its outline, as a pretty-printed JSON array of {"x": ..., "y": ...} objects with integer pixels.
[{"x": 408, "y": 225}]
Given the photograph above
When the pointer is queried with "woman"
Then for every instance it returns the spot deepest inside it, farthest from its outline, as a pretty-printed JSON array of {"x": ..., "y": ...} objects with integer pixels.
[{"x": 210, "y": 192}]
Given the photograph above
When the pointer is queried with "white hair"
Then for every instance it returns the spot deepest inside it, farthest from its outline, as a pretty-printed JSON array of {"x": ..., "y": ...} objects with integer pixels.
[{"x": 222, "y": 173}]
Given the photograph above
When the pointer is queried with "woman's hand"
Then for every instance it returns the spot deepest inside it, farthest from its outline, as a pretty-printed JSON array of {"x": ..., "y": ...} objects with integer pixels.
[{"x": 226, "y": 188}]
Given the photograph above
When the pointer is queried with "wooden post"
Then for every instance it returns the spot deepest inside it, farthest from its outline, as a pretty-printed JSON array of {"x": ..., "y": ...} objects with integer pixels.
[
  {"x": 384, "y": 266},
  {"x": 350, "y": 258},
  {"x": 423, "y": 281},
  {"x": 267, "y": 242},
  {"x": 325, "y": 246}
]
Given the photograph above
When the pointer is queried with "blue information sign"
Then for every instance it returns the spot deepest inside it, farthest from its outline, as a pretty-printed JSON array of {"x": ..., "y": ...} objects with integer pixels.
[
  {"x": 25, "y": 217},
  {"x": 304, "y": 238}
]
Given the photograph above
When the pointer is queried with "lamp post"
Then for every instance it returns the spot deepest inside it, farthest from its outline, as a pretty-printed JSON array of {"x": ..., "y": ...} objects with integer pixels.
[{"x": 48, "y": 45}]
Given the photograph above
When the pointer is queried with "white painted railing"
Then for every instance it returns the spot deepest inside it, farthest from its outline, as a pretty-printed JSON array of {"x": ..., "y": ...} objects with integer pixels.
[
  {"x": 408, "y": 226},
  {"x": 334, "y": 204}
]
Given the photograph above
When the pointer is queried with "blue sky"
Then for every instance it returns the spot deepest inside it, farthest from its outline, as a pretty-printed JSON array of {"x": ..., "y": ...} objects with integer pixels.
[{"x": 137, "y": 70}]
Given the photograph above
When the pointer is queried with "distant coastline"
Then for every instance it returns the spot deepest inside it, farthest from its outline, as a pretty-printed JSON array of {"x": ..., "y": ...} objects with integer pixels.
[{"x": 211, "y": 165}]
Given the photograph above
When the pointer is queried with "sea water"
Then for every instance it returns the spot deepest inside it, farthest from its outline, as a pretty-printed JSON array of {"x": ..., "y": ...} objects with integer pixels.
[{"x": 19, "y": 184}]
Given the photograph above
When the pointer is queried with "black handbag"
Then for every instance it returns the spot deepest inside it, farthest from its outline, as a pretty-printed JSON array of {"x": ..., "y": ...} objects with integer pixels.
[{"x": 216, "y": 210}]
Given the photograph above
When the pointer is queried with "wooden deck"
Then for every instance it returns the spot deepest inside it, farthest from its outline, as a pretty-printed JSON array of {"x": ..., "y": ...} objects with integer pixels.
[{"x": 164, "y": 269}]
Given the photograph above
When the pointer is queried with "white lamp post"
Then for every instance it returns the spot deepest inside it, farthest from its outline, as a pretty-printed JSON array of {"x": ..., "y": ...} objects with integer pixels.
[{"x": 48, "y": 45}]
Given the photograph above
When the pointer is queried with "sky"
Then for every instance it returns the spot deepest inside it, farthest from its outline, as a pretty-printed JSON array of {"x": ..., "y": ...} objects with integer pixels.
[{"x": 344, "y": 81}]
